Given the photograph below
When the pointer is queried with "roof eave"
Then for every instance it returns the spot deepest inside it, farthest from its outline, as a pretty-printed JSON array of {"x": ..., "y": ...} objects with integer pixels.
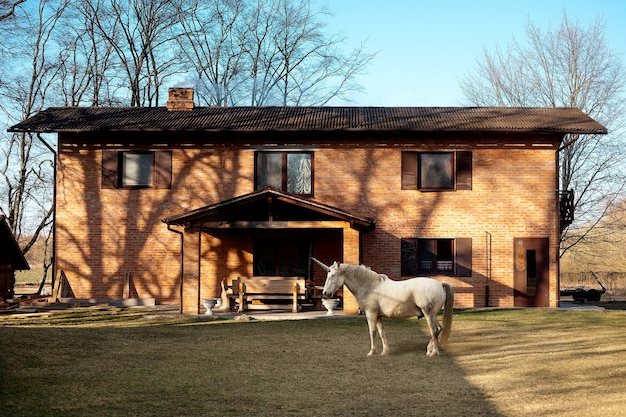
[{"x": 13, "y": 129}]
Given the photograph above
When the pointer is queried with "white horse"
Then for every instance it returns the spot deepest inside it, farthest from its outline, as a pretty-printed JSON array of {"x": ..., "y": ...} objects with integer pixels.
[{"x": 378, "y": 296}]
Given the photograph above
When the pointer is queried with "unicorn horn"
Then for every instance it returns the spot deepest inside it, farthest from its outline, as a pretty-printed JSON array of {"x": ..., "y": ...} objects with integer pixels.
[{"x": 326, "y": 267}]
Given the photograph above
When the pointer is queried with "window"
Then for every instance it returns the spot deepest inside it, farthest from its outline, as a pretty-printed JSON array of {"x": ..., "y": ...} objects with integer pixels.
[
  {"x": 286, "y": 171},
  {"x": 437, "y": 257},
  {"x": 136, "y": 169},
  {"x": 436, "y": 171}
]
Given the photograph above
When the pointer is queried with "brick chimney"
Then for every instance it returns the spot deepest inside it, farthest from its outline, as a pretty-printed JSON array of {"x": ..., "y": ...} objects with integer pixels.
[{"x": 180, "y": 99}]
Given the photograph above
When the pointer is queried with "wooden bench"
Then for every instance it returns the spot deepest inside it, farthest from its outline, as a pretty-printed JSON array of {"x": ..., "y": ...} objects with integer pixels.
[{"x": 266, "y": 293}]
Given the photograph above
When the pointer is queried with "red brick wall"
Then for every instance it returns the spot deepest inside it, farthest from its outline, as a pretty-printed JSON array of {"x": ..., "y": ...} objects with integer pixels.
[
  {"x": 102, "y": 234},
  {"x": 513, "y": 195}
]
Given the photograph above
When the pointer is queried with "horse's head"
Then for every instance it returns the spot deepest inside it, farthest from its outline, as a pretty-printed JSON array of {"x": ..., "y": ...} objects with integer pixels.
[{"x": 334, "y": 279}]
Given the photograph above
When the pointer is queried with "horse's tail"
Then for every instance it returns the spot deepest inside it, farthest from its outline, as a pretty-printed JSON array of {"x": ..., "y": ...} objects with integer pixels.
[{"x": 447, "y": 313}]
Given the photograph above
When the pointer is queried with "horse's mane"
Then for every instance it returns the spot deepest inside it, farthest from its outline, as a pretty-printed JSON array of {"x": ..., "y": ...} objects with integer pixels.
[{"x": 364, "y": 273}]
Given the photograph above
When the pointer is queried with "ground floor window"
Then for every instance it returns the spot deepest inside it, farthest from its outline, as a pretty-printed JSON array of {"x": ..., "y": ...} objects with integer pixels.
[{"x": 436, "y": 257}]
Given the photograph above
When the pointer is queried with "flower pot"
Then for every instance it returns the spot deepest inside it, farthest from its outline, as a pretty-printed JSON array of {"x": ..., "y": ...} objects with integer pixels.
[
  {"x": 330, "y": 304},
  {"x": 209, "y": 303}
]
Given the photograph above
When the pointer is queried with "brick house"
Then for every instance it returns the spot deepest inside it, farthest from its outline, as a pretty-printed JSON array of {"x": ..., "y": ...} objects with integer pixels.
[{"x": 180, "y": 198}]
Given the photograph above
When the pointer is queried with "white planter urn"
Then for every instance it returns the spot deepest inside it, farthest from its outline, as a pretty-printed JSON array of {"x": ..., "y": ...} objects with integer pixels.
[
  {"x": 330, "y": 304},
  {"x": 209, "y": 303}
]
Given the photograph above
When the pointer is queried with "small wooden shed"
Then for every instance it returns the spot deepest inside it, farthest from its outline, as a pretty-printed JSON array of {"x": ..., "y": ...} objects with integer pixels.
[{"x": 11, "y": 260}]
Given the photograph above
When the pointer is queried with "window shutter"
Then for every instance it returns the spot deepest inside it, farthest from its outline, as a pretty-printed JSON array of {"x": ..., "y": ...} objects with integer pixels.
[
  {"x": 408, "y": 266},
  {"x": 464, "y": 170},
  {"x": 409, "y": 171},
  {"x": 110, "y": 166},
  {"x": 463, "y": 257},
  {"x": 163, "y": 166}
]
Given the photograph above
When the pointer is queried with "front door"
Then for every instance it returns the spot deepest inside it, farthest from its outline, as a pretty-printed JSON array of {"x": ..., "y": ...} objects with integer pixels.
[{"x": 531, "y": 272}]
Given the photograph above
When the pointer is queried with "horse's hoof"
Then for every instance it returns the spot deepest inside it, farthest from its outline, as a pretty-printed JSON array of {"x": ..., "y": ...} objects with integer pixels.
[{"x": 370, "y": 353}]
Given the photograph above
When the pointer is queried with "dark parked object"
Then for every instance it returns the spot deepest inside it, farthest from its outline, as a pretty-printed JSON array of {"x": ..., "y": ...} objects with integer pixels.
[{"x": 581, "y": 294}]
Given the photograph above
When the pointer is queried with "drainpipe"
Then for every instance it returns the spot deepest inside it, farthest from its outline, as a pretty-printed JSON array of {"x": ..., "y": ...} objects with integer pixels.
[
  {"x": 488, "y": 265},
  {"x": 54, "y": 211},
  {"x": 182, "y": 251}
]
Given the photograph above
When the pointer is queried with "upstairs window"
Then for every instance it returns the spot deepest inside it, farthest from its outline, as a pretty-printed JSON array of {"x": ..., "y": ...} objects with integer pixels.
[
  {"x": 436, "y": 171},
  {"x": 285, "y": 171},
  {"x": 436, "y": 257},
  {"x": 136, "y": 169}
]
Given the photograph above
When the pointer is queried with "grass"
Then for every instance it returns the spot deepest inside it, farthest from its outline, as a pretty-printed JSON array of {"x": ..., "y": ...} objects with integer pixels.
[{"x": 498, "y": 363}]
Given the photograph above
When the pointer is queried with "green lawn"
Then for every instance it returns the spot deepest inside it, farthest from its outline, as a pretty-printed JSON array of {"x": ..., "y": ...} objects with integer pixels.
[{"x": 111, "y": 362}]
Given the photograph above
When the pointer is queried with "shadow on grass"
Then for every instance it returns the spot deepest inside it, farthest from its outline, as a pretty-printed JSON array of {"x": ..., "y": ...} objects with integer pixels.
[{"x": 189, "y": 367}]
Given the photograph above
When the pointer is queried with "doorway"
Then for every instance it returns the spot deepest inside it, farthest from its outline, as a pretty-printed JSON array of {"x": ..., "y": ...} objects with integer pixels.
[
  {"x": 282, "y": 256},
  {"x": 531, "y": 272}
]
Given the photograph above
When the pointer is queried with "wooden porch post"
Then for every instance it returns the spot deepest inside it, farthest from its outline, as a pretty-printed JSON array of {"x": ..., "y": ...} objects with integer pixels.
[
  {"x": 191, "y": 273},
  {"x": 351, "y": 255}
]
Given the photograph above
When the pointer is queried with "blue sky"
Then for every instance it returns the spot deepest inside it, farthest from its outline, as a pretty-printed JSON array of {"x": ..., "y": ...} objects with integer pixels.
[{"x": 425, "y": 47}]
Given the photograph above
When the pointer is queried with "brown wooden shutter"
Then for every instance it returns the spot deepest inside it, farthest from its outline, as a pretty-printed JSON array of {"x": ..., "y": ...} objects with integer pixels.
[
  {"x": 409, "y": 170},
  {"x": 408, "y": 266},
  {"x": 163, "y": 166},
  {"x": 110, "y": 167},
  {"x": 463, "y": 257},
  {"x": 464, "y": 170}
]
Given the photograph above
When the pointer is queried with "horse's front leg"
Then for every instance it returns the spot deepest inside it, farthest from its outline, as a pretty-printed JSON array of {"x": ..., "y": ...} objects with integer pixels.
[
  {"x": 372, "y": 324},
  {"x": 381, "y": 334}
]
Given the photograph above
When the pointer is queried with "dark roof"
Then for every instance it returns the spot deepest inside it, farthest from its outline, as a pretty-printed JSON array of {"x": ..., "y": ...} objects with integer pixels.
[
  {"x": 264, "y": 206},
  {"x": 11, "y": 253},
  {"x": 426, "y": 119}
]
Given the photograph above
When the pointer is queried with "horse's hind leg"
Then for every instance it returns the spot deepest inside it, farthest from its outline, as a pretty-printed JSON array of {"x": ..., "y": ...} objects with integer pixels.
[{"x": 435, "y": 329}]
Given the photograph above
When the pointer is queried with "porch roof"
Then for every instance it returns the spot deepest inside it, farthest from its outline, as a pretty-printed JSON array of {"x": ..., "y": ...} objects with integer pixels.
[{"x": 266, "y": 208}]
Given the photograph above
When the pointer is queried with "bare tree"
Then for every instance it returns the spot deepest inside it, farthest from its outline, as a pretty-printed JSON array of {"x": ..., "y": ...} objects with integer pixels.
[
  {"x": 602, "y": 255},
  {"x": 26, "y": 168},
  {"x": 211, "y": 42},
  {"x": 295, "y": 61},
  {"x": 86, "y": 60},
  {"x": 268, "y": 52},
  {"x": 140, "y": 32},
  {"x": 308, "y": 57},
  {"x": 571, "y": 66},
  {"x": 7, "y": 8}
]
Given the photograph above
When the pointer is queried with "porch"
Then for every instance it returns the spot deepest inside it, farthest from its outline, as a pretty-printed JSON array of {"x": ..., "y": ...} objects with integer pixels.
[{"x": 263, "y": 234}]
